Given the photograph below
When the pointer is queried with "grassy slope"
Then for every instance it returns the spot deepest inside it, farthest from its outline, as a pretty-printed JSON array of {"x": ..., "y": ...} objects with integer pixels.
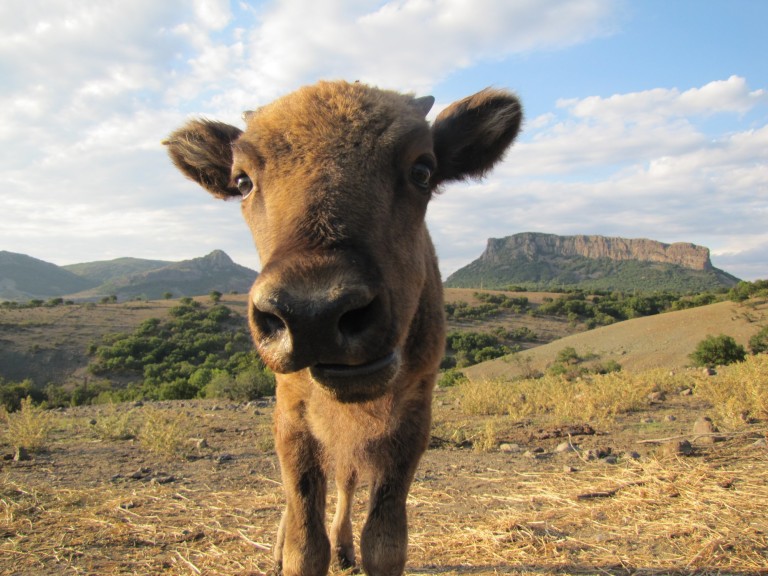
[{"x": 665, "y": 340}]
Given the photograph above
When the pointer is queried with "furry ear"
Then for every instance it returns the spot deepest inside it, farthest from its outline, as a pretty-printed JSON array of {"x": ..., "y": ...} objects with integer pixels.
[
  {"x": 471, "y": 135},
  {"x": 202, "y": 150},
  {"x": 424, "y": 104}
]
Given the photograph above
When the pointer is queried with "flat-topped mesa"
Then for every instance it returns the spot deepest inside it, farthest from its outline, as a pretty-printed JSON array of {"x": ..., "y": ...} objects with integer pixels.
[{"x": 533, "y": 246}]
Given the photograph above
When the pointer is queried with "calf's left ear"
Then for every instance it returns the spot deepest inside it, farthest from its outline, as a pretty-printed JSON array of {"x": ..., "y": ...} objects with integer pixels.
[
  {"x": 471, "y": 135},
  {"x": 202, "y": 150}
]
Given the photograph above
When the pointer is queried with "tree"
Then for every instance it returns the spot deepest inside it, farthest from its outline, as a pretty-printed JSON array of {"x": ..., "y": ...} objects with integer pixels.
[
  {"x": 215, "y": 296},
  {"x": 717, "y": 351},
  {"x": 167, "y": 295}
]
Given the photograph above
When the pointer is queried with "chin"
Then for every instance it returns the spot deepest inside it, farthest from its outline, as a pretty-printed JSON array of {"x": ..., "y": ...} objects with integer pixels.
[{"x": 358, "y": 383}]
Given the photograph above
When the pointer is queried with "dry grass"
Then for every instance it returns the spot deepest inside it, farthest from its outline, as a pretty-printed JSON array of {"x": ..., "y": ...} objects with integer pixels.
[
  {"x": 28, "y": 428},
  {"x": 679, "y": 516},
  {"x": 472, "y": 512},
  {"x": 556, "y": 398},
  {"x": 115, "y": 424},
  {"x": 165, "y": 432},
  {"x": 110, "y": 530},
  {"x": 739, "y": 393},
  {"x": 661, "y": 341}
]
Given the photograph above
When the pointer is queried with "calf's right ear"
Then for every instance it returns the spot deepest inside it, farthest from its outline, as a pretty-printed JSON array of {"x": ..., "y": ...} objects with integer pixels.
[
  {"x": 202, "y": 150},
  {"x": 471, "y": 135}
]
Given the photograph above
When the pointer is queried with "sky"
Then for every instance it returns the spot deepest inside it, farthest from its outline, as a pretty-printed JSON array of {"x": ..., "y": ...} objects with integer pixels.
[{"x": 643, "y": 119}]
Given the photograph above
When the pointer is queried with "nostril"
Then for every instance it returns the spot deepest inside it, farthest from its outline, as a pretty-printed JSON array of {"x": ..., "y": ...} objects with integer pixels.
[
  {"x": 354, "y": 322},
  {"x": 267, "y": 323}
]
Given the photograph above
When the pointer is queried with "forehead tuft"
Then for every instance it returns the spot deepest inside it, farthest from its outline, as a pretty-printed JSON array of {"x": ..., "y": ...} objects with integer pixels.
[{"x": 337, "y": 111}]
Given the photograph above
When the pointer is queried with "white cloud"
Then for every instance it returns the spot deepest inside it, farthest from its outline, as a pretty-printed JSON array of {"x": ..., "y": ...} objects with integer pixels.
[
  {"x": 402, "y": 44},
  {"x": 213, "y": 14},
  {"x": 90, "y": 88},
  {"x": 731, "y": 95}
]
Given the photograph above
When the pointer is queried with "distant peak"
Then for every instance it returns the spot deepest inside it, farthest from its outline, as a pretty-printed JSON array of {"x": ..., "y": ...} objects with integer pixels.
[{"x": 218, "y": 257}]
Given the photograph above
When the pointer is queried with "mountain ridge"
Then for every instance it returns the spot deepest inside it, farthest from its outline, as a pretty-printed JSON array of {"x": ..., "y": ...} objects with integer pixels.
[
  {"x": 25, "y": 278},
  {"x": 101, "y": 271}
]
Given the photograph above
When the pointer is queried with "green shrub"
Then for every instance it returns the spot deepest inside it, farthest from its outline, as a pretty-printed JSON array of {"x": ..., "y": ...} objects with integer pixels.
[
  {"x": 718, "y": 350},
  {"x": 251, "y": 383},
  {"x": 178, "y": 357},
  {"x": 13, "y": 393},
  {"x": 758, "y": 344},
  {"x": 450, "y": 378},
  {"x": 86, "y": 392},
  {"x": 745, "y": 290},
  {"x": 473, "y": 347},
  {"x": 56, "y": 396}
]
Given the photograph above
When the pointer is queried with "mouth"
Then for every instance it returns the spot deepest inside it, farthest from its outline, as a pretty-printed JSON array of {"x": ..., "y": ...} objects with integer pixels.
[{"x": 352, "y": 383}]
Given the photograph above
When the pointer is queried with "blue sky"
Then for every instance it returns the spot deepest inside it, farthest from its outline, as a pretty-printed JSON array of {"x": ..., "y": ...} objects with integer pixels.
[{"x": 644, "y": 119}]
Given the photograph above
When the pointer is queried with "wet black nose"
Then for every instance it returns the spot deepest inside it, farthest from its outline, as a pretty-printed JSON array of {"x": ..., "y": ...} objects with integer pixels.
[{"x": 298, "y": 331}]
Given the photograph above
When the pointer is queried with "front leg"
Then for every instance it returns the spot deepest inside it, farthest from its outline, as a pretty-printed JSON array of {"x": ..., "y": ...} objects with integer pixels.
[
  {"x": 384, "y": 540},
  {"x": 302, "y": 547},
  {"x": 342, "y": 543}
]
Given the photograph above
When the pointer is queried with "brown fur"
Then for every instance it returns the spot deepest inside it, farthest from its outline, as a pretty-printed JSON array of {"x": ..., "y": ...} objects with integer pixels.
[{"x": 348, "y": 307}]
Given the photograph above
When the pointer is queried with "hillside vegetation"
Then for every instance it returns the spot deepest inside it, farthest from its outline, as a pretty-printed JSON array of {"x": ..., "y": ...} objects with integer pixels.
[{"x": 75, "y": 353}]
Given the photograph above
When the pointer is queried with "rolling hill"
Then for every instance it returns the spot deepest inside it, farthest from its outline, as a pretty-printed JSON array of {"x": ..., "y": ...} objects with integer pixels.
[
  {"x": 25, "y": 278},
  {"x": 107, "y": 270},
  {"x": 661, "y": 341}
]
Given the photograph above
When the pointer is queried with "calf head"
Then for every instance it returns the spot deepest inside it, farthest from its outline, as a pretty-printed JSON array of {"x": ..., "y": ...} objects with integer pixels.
[{"x": 334, "y": 182}]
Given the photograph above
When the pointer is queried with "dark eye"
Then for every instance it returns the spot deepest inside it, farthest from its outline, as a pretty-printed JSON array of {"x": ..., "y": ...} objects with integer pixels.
[
  {"x": 420, "y": 174},
  {"x": 244, "y": 185}
]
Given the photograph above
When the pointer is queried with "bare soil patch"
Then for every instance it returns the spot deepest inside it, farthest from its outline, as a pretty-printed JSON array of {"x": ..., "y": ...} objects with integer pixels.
[{"x": 619, "y": 504}]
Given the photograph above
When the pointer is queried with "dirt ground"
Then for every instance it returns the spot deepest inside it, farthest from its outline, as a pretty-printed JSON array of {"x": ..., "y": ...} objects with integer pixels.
[{"x": 620, "y": 503}]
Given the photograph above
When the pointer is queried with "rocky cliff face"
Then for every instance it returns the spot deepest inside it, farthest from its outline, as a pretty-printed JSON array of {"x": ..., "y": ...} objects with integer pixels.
[
  {"x": 544, "y": 261},
  {"x": 535, "y": 246}
]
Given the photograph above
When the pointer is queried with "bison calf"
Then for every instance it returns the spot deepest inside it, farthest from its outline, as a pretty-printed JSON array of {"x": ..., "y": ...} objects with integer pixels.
[{"x": 334, "y": 182}]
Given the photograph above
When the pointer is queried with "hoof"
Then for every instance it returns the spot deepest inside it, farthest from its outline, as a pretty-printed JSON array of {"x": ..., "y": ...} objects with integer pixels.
[{"x": 345, "y": 563}]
